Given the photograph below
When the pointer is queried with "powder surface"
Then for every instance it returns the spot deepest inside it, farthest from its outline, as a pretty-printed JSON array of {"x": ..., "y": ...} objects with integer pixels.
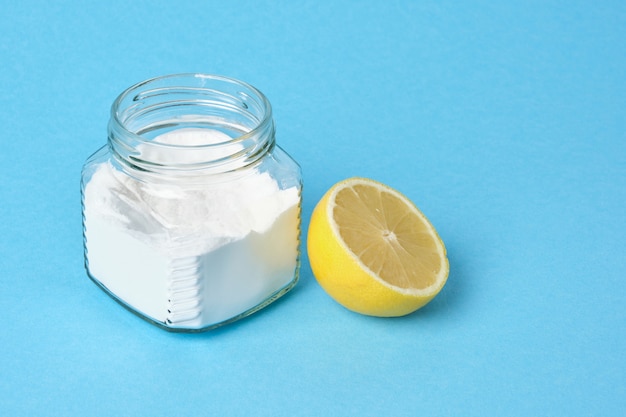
[{"x": 191, "y": 256}]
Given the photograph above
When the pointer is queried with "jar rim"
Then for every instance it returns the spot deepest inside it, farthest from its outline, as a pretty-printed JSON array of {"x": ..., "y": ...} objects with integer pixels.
[{"x": 136, "y": 89}]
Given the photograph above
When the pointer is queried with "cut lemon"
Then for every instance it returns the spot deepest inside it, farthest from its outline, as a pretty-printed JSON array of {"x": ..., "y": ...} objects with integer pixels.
[{"x": 373, "y": 251}]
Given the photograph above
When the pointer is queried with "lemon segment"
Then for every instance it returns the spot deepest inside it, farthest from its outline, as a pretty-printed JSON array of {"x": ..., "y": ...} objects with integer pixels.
[{"x": 373, "y": 251}]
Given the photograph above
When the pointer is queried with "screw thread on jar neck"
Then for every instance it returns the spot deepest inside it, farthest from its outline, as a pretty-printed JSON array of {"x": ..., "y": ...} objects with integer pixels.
[{"x": 190, "y": 123}]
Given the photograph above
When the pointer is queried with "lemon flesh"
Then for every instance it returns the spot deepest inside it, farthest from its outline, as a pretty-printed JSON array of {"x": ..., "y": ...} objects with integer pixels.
[{"x": 373, "y": 251}]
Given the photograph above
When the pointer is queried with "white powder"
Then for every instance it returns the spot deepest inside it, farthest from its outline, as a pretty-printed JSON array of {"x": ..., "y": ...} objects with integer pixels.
[{"x": 191, "y": 257}]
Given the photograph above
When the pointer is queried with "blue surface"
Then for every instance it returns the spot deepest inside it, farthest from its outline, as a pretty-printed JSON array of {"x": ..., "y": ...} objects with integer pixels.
[{"x": 505, "y": 122}]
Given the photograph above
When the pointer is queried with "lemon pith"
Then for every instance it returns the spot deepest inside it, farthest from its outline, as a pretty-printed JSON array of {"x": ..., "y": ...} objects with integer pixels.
[{"x": 373, "y": 251}]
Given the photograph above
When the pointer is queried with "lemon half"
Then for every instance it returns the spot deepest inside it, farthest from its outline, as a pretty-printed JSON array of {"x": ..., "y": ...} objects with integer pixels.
[{"x": 373, "y": 251}]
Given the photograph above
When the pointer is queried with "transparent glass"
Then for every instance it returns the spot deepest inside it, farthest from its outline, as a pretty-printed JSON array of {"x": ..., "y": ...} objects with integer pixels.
[{"x": 191, "y": 212}]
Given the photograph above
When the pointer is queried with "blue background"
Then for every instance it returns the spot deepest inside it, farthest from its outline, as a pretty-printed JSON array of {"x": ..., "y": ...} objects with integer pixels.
[{"x": 505, "y": 122}]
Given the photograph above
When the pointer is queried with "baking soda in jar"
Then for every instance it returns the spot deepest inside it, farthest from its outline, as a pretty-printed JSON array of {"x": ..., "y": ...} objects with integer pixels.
[{"x": 191, "y": 212}]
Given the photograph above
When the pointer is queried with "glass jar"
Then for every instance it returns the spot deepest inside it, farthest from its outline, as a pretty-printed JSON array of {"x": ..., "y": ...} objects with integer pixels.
[{"x": 191, "y": 212}]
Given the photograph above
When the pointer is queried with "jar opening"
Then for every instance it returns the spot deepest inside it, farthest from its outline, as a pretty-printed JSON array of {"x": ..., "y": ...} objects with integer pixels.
[{"x": 190, "y": 122}]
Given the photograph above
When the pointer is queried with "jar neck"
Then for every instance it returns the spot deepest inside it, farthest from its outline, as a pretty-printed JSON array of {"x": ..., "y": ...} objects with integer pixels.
[{"x": 190, "y": 124}]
